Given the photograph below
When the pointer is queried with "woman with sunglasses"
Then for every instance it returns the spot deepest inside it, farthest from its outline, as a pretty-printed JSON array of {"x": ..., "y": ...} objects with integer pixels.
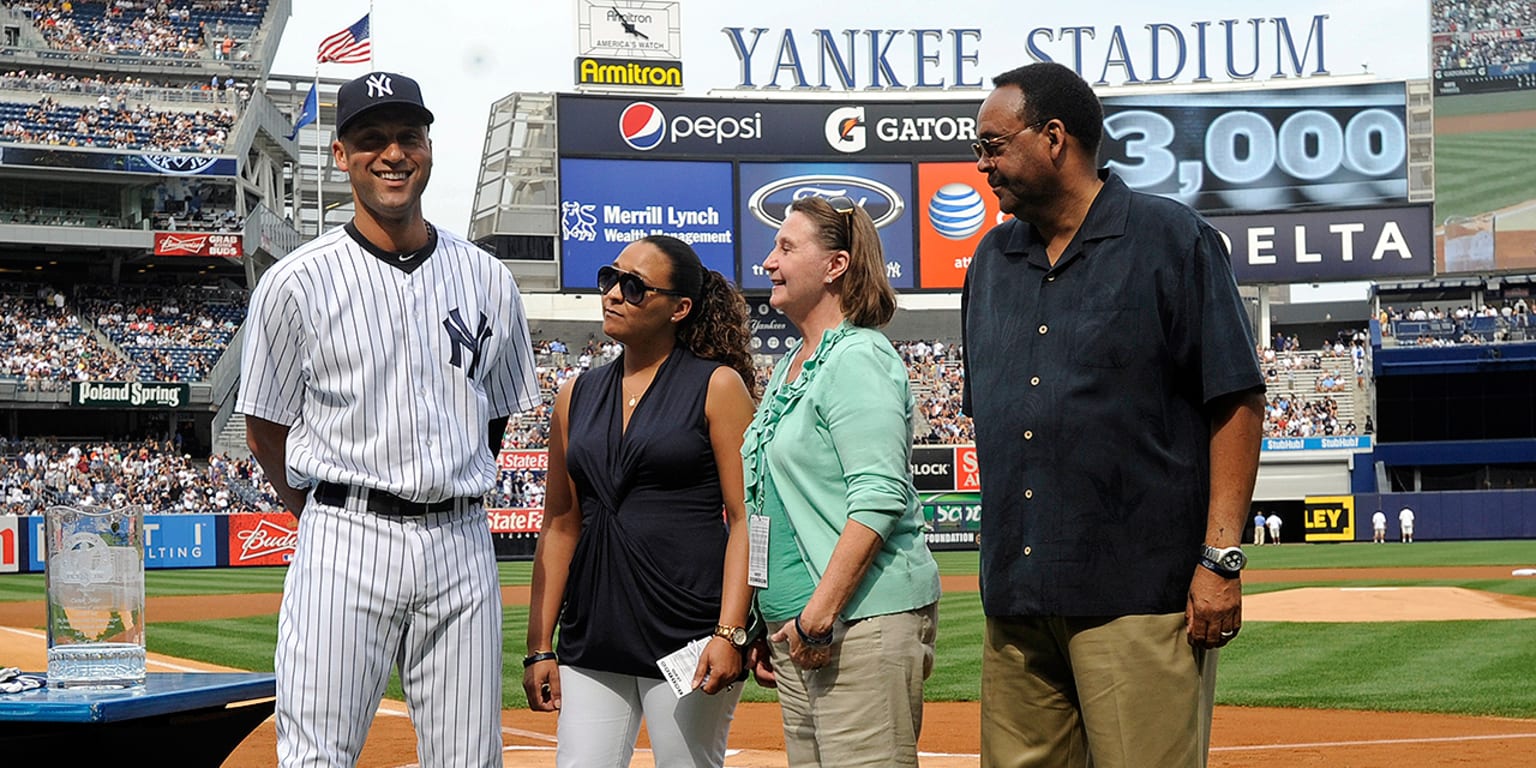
[
  {"x": 851, "y": 592},
  {"x": 644, "y": 548}
]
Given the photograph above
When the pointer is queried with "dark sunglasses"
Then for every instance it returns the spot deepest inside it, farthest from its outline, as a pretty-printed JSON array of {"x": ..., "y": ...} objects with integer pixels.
[
  {"x": 631, "y": 287},
  {"x": 994, "y": 146},
  {"x": 844, "y": 205}
]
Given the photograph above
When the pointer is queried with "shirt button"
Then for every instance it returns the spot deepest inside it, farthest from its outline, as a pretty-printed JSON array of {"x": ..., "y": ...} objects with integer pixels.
[
  {"x": 1034, "y": 381},
  {"x": 1050, "y": 278},
  {"x": 1043, "y": 329},
  {"x": 1027, "y": 551},
  {"x": 1029, "y": 493},
  {"x": 1028, "y": 435}
]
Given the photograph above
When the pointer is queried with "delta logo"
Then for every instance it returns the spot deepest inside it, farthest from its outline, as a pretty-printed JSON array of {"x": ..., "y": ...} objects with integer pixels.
[{"x": 642, "y": 126}]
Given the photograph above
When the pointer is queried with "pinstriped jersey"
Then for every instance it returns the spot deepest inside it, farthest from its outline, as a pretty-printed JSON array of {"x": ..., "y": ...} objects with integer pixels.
[{"x": 387, "y": 377}]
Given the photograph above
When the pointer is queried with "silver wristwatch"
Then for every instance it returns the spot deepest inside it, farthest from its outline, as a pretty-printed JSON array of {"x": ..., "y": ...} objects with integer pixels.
[{"x": 1226, "y": 562}]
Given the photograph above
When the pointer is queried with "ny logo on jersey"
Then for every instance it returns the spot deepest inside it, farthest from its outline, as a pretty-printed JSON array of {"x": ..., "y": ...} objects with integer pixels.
[
  {"x": 380, "y": 85},
  {"x": 463, "y": 339}
]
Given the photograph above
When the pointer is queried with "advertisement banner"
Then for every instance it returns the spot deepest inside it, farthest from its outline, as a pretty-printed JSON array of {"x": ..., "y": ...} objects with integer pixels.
[
  {"x": 120, "y": 162},
  {"x": 210, "y": 244},
  {"x": 34, "y": 541},
  {"x": 1342, "y": 442},
  {"x": 1263, "y": 150},
  {"x": 1368, "y": 244},
  {"x": 1329, "y": 518},
  {"x": 772, "y": 333},
  {"x": 519, "y": 520},
  {"x": 128, "y": 394},
  {"x": 180, "y": 541},
  {"x": 607, "y": 204},
  {"x": 956, "y": 209},
  {"x": 262, "y": 539},
  {"x": 521, "y": 459},
  {"x": 967, "y": 471},
  {"x": 933, "y": 467},
  {"x": 951, "y": 520},
  {"x": 882, "y": 189},
  {"x": 764, "y": 129},
  {"x": 10, "y": 544}
]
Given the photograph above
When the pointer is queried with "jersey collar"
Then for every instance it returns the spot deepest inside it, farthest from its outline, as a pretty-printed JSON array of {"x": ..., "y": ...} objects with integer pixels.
[{"x": 405, "y": 262}]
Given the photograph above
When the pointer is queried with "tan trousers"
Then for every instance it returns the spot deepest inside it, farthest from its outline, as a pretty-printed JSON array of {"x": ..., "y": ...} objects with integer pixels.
[
  {"x": 1125, "y": 692},
  {"x": 865, "y": 708}
]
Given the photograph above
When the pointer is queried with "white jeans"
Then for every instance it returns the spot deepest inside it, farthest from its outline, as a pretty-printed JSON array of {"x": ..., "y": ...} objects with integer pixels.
[{"x": 600, "y": 716}]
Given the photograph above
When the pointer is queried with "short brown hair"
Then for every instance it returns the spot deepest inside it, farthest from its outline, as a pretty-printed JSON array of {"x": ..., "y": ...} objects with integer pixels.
[{"x": 867, "y": 298}]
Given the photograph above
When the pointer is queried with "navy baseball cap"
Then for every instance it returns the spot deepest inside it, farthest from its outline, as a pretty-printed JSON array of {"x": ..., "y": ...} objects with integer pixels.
[{"x": 375, "y": 90}]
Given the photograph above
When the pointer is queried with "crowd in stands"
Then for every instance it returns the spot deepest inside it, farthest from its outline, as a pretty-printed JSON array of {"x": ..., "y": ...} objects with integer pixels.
[
  {"x": 43, "y": 344},
  {"x": 1436, "y": 326},
  {"x": 197, "y": 29},
  {"x": 47, "y": 340},
  {"x": 49, "y": 122},
  {"x": 112, "y": 91},
  {"x": 173, "y": 335},
  {"x": 156, "y": 475},
  {"x": 937, "y": 378},
  {"x": 1286, "y": 415},
  {"x": 1476, "y": 33}
]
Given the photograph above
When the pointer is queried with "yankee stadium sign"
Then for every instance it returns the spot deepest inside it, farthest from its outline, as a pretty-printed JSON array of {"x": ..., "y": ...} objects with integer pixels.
[{"x": 128, "y": 394}]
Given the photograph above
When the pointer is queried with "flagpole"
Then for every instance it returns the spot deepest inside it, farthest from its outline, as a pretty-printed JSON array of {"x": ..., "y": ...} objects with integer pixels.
[{"x": 319, "y": 161}]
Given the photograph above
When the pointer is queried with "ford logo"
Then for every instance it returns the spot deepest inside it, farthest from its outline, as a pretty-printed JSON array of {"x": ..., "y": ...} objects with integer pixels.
[{"x": 770, "y": 203}]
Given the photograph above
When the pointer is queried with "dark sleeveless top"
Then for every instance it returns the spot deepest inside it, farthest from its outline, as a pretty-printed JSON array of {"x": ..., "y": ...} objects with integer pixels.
[{"x": 645, "y": 578}]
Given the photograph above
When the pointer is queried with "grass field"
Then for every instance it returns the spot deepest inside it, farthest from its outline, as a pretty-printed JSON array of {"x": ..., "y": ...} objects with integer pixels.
[
  {"x": 1483, "y": 103},
  {"x": 1463, "y": 667},
  {"x": 1481, "y": 172}
]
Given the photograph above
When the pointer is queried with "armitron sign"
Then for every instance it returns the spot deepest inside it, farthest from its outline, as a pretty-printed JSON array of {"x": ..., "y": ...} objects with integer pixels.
[
  {"x": 128, "y": 394},
  {"x": 197, "y": 244},
  {"x": 629, "y": 73}
]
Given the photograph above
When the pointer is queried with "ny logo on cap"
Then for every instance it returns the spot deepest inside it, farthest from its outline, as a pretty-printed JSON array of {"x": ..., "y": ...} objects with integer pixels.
[{"x": 379, "y": 85}]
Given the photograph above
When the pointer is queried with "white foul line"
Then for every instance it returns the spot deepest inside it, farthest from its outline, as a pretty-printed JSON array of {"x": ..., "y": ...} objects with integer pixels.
[{"x": 1376, "y": 742}]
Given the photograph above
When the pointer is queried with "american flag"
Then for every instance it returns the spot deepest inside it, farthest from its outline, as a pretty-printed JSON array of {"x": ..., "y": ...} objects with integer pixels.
[{"x": 349, "y": 46}]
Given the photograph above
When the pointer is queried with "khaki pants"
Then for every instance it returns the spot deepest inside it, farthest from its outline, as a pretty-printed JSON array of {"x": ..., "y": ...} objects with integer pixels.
[
  {"x": 1123, "y": 692},
  {"x": 865, "y": 708}
]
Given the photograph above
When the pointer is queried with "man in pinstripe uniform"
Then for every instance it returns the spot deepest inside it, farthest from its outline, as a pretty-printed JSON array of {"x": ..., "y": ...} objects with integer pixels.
[{"x": 381, "y": 362}]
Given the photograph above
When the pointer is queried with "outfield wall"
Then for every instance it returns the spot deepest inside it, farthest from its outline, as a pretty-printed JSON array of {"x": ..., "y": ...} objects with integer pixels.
[{"x": 1438, "y": 516}]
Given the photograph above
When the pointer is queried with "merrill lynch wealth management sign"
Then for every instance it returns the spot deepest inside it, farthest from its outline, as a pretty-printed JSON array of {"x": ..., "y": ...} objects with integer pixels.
[{"x": 128, "y": 394}]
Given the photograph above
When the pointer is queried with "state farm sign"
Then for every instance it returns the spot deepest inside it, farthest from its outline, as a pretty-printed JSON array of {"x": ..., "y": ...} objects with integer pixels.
[
  {"x": 515, "y": 460},
  {"x": 262, "y": 539},
  {"x": 197, "y": 244},
  {"x": 515, "y": 520}
]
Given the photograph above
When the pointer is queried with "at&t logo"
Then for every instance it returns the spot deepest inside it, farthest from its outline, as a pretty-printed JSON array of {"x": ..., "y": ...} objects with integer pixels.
[{"x": 957, "y": 211}]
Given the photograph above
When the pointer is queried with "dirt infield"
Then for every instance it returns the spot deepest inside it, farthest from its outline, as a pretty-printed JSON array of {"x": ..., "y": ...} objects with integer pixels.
[
  {"x": 1241, "y": 737},
  {"x": 1493, "y": 121}
]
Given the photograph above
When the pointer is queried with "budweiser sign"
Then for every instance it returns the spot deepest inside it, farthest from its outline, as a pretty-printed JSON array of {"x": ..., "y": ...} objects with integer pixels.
[
  {"x": 534, "y": 460},
  {"x": 515, "y": 520},
  {"x": 197, "y": 244},
  {"x": 262, "y": 539}
]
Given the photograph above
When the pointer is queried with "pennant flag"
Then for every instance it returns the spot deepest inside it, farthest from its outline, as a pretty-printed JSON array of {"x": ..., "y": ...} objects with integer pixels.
[
  {"x": 349, "y": 46},
  {"x": 307, "y": 115}
]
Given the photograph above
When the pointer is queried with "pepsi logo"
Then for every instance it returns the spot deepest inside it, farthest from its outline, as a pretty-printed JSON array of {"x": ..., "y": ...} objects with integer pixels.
[
  {"x": 957, "y": 211},
  {"x": 770, "y": 202},
  {"x": 642, "y": 126}
]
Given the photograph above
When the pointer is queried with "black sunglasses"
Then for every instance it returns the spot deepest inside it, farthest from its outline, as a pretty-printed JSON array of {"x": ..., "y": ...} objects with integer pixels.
[
  {"x": 994, "y": 146},
  {"x": 631, "y": 287},
  {"x": 844, "y": 205}
]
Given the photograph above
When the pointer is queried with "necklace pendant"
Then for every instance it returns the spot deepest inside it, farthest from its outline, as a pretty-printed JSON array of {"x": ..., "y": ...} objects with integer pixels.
[{"x": 634, "y": 400}]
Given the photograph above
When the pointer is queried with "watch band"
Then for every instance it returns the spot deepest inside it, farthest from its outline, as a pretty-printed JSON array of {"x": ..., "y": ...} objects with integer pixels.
[
  {"x": 534, "y": 658},
  {"x": 815, "y": 641}
]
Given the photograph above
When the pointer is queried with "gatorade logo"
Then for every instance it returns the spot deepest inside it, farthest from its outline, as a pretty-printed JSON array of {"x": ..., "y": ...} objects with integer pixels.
[{"x": 642, "y": 126}]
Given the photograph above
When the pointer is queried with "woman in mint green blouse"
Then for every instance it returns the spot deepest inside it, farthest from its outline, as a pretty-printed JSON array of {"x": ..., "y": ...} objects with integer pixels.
[{"x": 851, "y": 592}]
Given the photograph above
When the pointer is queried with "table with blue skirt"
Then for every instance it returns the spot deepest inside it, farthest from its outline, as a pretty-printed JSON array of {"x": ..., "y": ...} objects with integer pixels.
[{"x": 193, "y": 719}]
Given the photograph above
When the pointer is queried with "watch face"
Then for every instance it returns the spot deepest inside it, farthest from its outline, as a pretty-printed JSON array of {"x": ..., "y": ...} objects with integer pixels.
[
  {"x": 1234, "y": 560},
  {"x": 739, "y": 637}
]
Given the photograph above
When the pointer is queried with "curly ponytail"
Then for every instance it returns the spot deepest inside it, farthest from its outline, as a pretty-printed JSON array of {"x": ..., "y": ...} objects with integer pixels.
[{"x": 718, "y": 327}]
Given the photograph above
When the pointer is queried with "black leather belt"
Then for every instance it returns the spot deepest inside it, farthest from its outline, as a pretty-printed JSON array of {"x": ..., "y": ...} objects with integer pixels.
[{"x": 381, "y": 502}]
